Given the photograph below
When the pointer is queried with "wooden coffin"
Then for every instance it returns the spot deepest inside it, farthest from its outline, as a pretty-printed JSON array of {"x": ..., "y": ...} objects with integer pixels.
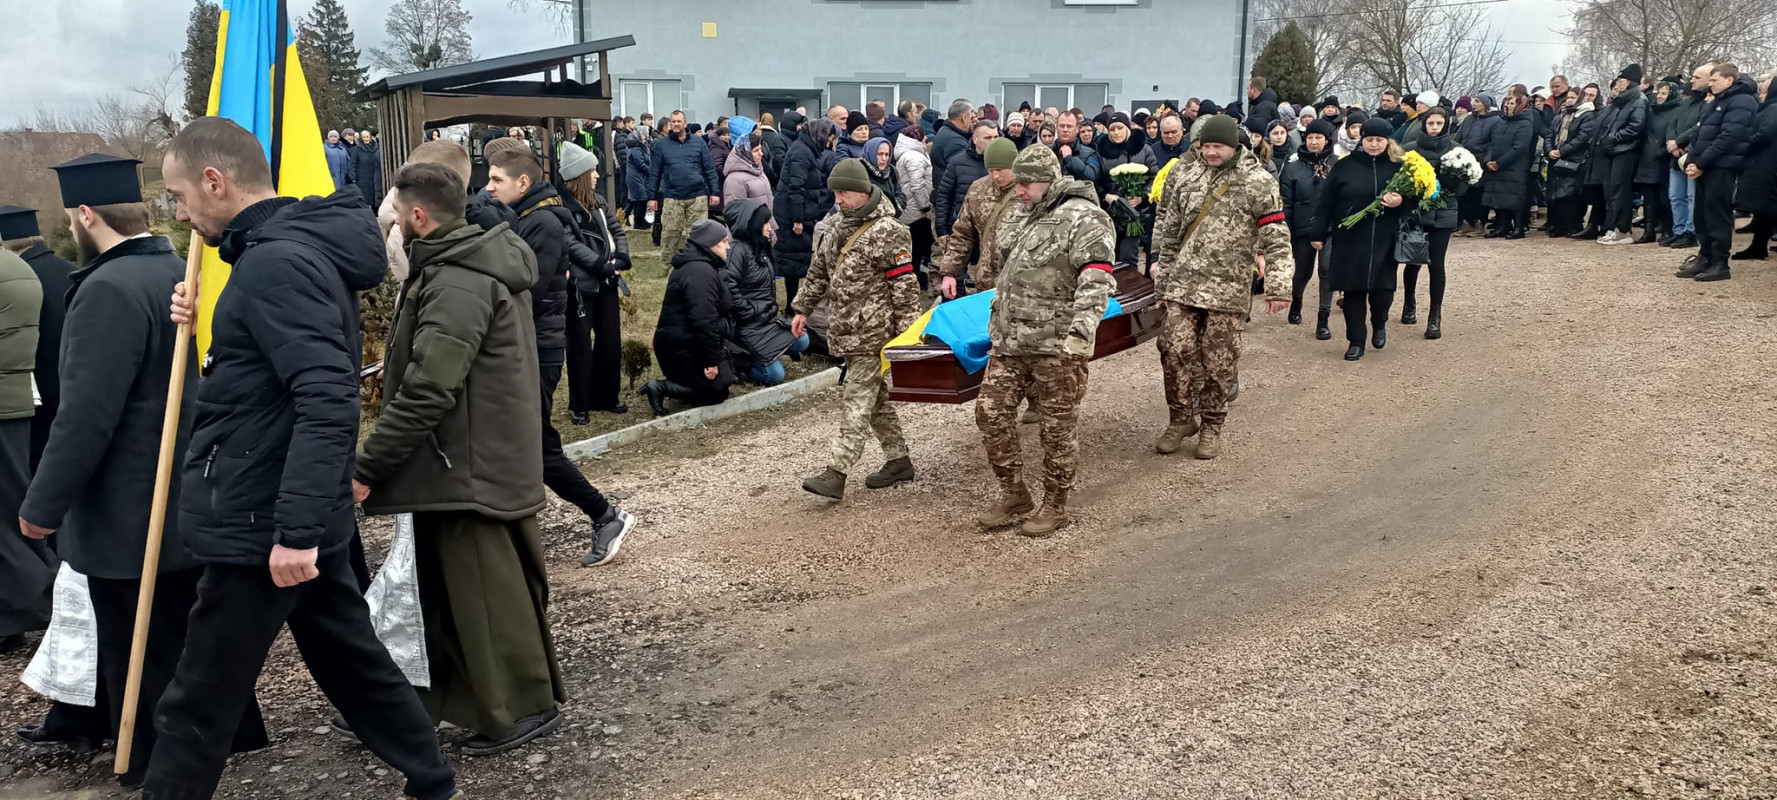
[{"x": 929, "y": 373}]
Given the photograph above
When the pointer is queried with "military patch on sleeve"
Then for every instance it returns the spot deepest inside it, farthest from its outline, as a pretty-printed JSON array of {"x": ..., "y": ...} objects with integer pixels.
[
  {"x": 1271, "y": 218},
  {"x": 902, "y": 265}
]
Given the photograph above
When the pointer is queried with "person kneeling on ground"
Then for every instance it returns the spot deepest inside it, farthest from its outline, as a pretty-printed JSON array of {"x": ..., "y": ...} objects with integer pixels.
[
  {"x": 457, "y": 445},
  {"x": 691, "y": 341},
  {"x": 752, "y": 287}
]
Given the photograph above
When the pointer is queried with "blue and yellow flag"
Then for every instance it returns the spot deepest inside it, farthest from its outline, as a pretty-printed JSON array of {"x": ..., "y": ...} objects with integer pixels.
[{"x": 259, "y": 84}]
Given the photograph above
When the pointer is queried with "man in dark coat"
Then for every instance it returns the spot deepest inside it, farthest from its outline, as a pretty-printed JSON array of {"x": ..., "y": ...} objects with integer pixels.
[
  {"x": 1171, "y": 143},
  {"x": 95, "y": 488},
  {"x": 952, "y": 139},
  {"x": 516, "y": 179},
  {"x": 19, "y": 233},
  {"x": 1756, "y": 193},
  {"x": 457, "y": 445},
  {"x": 268, "y": 473},
  {"x": 777, "y": 143},
  {"x": 1261, "y": 105},
  {"x": 1714, "y": 159},
  {"x": 965, "y": 169},
  {"x": 800, "y": 200},
  {"x": 1078, "y": 161},
  {"x": 1616, "y": 152}
]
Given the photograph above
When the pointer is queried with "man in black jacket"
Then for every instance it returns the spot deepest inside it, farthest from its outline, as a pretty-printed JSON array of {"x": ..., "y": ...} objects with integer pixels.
[
  {"x": 1078, "y": 161},
  {"x": 95, "y": 488},
  {"x": 19, "y": 233},
  {"x": 515, "y": 178},
  {"x": 953, "y": 138},
  {"x": 1681, "y": 128},
  {"x": 268, "y": 475},
  {"x": 1617, "y": 152},
  {"x": 1713, "y": 160},
  {"x": 1261, "y": 105}
]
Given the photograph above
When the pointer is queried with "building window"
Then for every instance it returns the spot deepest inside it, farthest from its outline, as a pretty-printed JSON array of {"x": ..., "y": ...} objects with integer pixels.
[
  {"x": 638, "y": 97},
  {"x": 853, "y": 95},
  {"x": 1063, "y": 96}
]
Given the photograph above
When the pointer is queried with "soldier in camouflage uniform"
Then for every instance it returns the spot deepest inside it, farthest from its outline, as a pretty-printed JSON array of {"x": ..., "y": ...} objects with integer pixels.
[
  {"x": 1215, "y": 214},
  {"x": 990, "y": 200},
  {"x": 863, "y": 269},
  {"x": 1054, "y": 283}
]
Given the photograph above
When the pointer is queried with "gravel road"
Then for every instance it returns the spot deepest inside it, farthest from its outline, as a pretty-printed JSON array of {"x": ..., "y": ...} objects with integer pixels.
[{"x": 1532, "y": 559}]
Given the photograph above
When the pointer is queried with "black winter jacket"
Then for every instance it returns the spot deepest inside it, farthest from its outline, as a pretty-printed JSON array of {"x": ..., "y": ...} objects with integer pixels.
[
  {"x": 1360, "y": 258},
  {"x": 694, "y": 331},
  {"x": 683, "y": 169},
  {"x": 777, "y": 145},
  {"x": 1656, "y": 164},
  {"x": 1262, "y": 112},
  {"x": 1082, "y": 165},
  {"x": 1622, "y": 124},
  {"x": 752, "y": 285},
  {"x": 1756, "y": 192},
  {"x": 1301, "y": 190},
  {"x": 947, "y": 200},
  {"x": 1508, "y": 188},
  {"x": 543, "y": 224},
  {"x": 367, "y": 172},
  {"x": 802, "y": 197},
  {"x": 1576, "y": 146},
  {"x": 54, "y": 273},
  {"x": 599, "y": 252},
  {"x": 276, "y": 426},
  {"x": 1727, "y": 128},
  {"x": 1434, "y": 148},
  {"x": 1681, "y": 124},
  {"x": 948, "y": 143}
]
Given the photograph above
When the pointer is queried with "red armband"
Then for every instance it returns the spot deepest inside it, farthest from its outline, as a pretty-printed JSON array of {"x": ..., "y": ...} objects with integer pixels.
[
  {"x": 1104, "y": 265},
  {"x": 1271, "y": 218},
  {"x": 903, "y": 265}
]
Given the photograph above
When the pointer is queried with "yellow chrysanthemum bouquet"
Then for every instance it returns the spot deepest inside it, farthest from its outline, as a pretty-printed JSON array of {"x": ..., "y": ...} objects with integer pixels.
[{"x": 1417, "y": 178}]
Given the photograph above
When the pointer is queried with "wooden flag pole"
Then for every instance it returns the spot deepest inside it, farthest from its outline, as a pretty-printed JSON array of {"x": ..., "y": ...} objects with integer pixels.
[{"x": 163, "y": 485}]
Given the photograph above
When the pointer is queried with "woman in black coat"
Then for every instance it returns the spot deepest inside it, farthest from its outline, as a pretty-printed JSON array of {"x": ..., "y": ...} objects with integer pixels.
[
  {"x": 692, "y": 339},
  {"x": 1506, "y": 184},
  {"x": 760, "y": 332},
  {"x": 1438, "y": 223},
  {"x": 1617, "y": 152},
  {"x": 1655, "y": 165},
  {"x": 1121, "y": 145},
  {"x": 1300, "y": 185},
  {"x": 1756, "y": 193},
  {"x": 801, "y": 200},
  {"x": 1570, "y": 148},
  {"x": 596, "y": 256},
  {"x": 1361, "y": 258}
]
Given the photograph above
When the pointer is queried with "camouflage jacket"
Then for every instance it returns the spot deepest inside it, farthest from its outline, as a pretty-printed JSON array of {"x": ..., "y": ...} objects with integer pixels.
[
  {"x": 1214, "y": 270},
  {"x": 1055, "y": 277},
  {"x": 873, "y": 294},
  {"x": 985, "y": 210}
]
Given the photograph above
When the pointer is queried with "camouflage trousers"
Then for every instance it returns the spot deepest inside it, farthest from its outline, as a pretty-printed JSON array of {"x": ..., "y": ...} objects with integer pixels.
[
  {"x": 1056, "y": 385},
  {"x": 676, "y": 218},
  {"x": 1199, "y": 356},
  {"x": 865, "y": 395}
]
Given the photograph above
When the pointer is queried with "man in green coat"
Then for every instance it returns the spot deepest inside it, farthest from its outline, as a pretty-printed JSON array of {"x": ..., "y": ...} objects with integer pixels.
[
  {"x": 459, "y": 445},
  {"x": 27, "y": 568}
]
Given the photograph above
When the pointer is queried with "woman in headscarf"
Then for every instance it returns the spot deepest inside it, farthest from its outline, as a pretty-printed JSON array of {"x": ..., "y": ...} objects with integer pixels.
[
  {"x": 802, "y": 199},
  {"x": 744, "y": 173},
  {"x": 761, "y": 333},
  {"x": 1300, "y": 185},
  {"x": 879, "y": 163},
  {"x": 1046, "y": 137},
  {"x": 1362, "y": 261},
  {"x": 1438, "y": 223},
  {"x": 1119, "y": 147},
  {"x": 913, "y": 171}
]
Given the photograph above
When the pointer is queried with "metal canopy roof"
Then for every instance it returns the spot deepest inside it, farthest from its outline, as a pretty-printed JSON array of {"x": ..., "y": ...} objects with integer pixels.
[{"x": 493, "y": 69}]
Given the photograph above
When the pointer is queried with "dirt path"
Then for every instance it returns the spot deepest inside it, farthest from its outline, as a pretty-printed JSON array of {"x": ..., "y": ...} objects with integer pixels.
[{"x": 1531, "y": 559}]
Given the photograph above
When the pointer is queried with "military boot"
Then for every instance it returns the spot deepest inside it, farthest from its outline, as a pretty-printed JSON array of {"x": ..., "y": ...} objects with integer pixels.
[
  {"x": 829, "y": 484},
  {"x": 1051, "y": 518},
  {"x": 1014, "y": 503},
  {"x": 1175, "y": 435},
  {"x": 1031, "y": 415},
  {"x": 899, "y": 470},
  {"x": 1209, "y": 442}
]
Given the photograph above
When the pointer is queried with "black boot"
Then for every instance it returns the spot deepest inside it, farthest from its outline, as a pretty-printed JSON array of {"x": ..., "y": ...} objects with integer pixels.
[
  {"x": 1497, "y": 231},
  {"x": 1647, "y": 236},
  {"x": 1434, "y": 323},
  {"x": 1296, "y": 312},
  {"x": 656, "y": 394},
  {"x": 1683, "y": 241},
  {"x": 1379, "y": 339},
  {"x": 1321, "y": 331},
  {"x": 1691, "y": 267},
  {"x": 1354, "y": 352},
  {"x": 1587, "y": 233},
  {"x": 1716, "y": 271},
  {"x": 1757, "y": 251},
  {"x": 1409, "y": 313},
  {"x": 1514, "y": 231}
]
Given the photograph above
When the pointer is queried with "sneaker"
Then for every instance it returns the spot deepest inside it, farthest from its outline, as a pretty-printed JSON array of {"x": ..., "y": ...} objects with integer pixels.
[
  {"x": 1617, "y": 238},
  {"x": 342, "y": 729},
  {"x": 607, "y": 537},
  {"x": 1609, "y": 237},
  {"x": 527, "y": 729}
]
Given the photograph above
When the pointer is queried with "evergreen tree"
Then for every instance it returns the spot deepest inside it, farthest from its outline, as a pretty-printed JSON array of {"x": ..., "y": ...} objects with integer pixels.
[
  {"x": 200, "y": 55},
  {"x": 330, "y": 62},
  {"x": 1287, "y": 64}
]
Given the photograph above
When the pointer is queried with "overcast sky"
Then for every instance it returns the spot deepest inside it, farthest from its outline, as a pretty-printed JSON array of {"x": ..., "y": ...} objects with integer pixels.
[{"x": 60, "y": 55}]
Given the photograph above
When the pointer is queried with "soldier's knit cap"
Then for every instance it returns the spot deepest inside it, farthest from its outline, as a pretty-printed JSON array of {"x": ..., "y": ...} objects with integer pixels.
[
  {"x": 1000, "y": 154},
  {"x": 1036, "y": 164},
  {"x": 849, "y": 176},
  {"x": 707, "y": 233},
  {"x": 1220, "y": 130}
]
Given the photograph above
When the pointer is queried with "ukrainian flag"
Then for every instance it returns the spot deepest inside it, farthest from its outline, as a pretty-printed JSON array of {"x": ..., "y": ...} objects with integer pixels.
[{"x": 259, "y": 84}]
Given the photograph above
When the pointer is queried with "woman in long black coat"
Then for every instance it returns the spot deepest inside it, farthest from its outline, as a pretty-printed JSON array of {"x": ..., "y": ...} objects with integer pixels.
[
  {"x": 1361, "y": 258},
  {"x": 1655, "y": 165},
  {"x": 1756, "y": 193},
  {"x": 760, "y": 332},
  {"x": 1300, "y": 185},
  {"x": 801, "y": 200},
  {"x": 692, "y": 339},
  {"x": 1506, "y": 185},
  {"x": 1438, "y": 223},
  {"x": 1570, "y": 148}
]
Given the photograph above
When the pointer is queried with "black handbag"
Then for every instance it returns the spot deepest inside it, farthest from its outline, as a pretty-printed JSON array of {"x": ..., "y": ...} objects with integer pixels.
[
  {"x": 1566, "y": 166},
  {"x": 1411, "y": 246}
]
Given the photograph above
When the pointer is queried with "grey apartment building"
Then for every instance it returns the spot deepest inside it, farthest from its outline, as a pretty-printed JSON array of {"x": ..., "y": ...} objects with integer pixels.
[{"x": 723, "y": 57}]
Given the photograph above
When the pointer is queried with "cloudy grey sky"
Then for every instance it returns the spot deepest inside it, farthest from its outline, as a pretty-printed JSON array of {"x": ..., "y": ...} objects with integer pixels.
[{"x": 61, "y": 55}]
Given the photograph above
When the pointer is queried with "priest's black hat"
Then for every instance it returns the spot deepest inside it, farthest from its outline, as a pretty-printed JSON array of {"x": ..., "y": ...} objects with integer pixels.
[
  {"x": 96, "y": 179},
  {"x": 18, "y": 223}
]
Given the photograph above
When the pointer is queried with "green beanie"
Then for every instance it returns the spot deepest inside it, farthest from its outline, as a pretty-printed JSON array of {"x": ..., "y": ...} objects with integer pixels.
[
  {"x": 1036, "y": 164},
  {"x": 849, "y": 176},
  {"x": 1000, "y": 153},
  {"x": 1220, "y": 129}
]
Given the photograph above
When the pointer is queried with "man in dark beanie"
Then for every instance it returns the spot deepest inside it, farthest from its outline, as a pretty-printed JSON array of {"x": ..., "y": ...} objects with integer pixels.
[
  {"x": 1616, "y": 153},
  {"x": 863, "y": 270}
]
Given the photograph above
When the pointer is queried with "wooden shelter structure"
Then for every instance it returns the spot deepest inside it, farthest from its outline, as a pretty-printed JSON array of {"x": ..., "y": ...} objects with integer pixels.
[{"x": 488, "y": 91}]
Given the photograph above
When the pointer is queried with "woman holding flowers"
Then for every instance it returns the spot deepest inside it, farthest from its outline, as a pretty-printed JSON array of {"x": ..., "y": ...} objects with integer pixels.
[
  {"x": 1128, "y": 168},
  {"x": 1359, "y": 216},
  {"x": 1435, "y": 144}
]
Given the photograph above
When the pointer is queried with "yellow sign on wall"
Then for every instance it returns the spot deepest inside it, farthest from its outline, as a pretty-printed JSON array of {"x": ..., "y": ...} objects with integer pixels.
[{"x": 709, "y": 30}]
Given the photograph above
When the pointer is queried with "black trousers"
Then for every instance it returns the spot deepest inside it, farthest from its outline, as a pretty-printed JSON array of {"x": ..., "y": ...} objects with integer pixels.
[
  {"x": 1307, "y": 260},
  {"x": 1566, "y": 215},
  {"x": 1469, "y": 208},
  {"x": 1619, "y": 192},
  {"x": 1440, "y": 247},
  {"x": 560, "y": 474},
  {"x": 790, "y": 287},
  {"x": 1715, "y": 214},
  {"x": 238, "y": 615},
  {"x": 638, "y": 215},
  {"x": 595, "y": 350},
  {"x": 922, "y": 251},
  {"x": 1763, "y": 225},
  {"x": 1656, "y": 205},
  {"x": 114, "y": 612},
  {"x": 1379, "y": 302}
]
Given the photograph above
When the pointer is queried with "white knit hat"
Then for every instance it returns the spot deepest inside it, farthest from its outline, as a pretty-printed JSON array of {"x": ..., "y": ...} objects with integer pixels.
[
  {"x": 1014, "y": 118},
  {"x": 1428, "y": 98},
  {"x": 576, "y": 161}
]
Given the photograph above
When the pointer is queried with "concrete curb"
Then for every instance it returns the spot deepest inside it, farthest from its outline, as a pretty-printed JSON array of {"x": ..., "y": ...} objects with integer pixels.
[{"x": 699, "y": 417}]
